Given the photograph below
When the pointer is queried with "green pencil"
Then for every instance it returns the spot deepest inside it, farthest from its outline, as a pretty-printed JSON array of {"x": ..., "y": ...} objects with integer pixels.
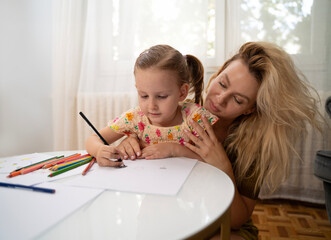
[
  {"x": 57, "y": 157},
  {"x": 70, "y": 167}
]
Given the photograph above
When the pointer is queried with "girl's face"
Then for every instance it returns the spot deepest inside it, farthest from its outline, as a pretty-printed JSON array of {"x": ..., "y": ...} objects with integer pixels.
[
  {"x": 232, "y": 93},
  {"x": 159, "y": 94}
]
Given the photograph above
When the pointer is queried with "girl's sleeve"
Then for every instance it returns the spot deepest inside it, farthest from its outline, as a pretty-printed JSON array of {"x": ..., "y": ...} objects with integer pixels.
[
  {"x": 125, "y": 123},
  {"x": 195, "y": 112}
]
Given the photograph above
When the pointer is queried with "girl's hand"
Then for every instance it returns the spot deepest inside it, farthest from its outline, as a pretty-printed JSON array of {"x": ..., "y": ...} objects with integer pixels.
[
  {"x": 130, "y": 148},
  {"x": 160, "y": 150},
  {"x": 207, "y": 146},
  {"x": 105, "y": 153}
]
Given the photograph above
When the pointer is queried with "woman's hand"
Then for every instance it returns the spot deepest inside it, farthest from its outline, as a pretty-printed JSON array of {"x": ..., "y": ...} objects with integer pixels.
[
  {"x": 130, "y": 148},
  {"x": 208, "y": 147},
  {"x": 105, "y": 153}
]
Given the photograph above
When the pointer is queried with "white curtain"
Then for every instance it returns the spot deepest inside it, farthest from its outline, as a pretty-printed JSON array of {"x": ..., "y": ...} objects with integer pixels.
[{"x": 96, "y": 43}]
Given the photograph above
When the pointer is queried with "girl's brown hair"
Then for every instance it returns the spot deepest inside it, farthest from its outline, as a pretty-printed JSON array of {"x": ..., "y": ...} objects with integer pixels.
[{"x": 188, "y": 68}]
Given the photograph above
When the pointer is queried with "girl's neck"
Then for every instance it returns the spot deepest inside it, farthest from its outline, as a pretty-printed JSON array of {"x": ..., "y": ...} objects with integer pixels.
[{"x": 176, "y": 120}]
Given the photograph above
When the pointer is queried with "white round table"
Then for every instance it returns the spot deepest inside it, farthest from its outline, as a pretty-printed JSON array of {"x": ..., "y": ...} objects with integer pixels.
[{"x": 199, "y": 209}]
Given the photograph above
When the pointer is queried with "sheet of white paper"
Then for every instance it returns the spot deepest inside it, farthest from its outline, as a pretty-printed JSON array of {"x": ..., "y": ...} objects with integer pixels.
[
  {"x": 35, "y": 177},
  {"x": 25, "y": 214},
  {"x": 161, "y": 176}
]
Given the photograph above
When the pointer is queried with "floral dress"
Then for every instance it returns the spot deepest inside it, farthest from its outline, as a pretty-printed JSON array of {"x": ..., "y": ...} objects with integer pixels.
[{"x": 135, "y": 122}]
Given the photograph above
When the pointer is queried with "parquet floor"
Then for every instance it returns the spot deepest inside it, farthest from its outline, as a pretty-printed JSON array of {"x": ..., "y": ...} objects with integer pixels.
[{"x": 285, "y": 220}]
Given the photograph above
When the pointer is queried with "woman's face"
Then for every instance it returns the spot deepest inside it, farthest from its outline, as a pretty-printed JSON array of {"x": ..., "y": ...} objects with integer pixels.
[{"x": 232, "y": 93}]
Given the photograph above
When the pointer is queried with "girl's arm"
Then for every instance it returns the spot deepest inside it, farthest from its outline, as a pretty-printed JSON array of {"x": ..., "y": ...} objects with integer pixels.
[
  {"x": 164, "y": 150},
  {"x": 103, "y": 153},
  {"x": 211, "y": 151},
  {"x": 131, "y": 148}
]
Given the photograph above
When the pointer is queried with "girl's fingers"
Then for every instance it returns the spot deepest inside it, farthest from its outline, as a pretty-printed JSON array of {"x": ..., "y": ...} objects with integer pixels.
[{"x": 109, "y": 163}]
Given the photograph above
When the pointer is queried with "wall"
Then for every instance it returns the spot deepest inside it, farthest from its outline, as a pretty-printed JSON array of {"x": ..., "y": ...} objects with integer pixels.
[{"x": 25, "y": 77}]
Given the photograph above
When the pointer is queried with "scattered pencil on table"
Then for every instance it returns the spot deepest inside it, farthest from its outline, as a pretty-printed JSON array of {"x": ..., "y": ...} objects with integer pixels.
[
  {"x": 89, "y": 166},
  {"x": 78, "y": 164},
  {"x": 31, "y": 168},
  {"x": 37, "y": 189}
]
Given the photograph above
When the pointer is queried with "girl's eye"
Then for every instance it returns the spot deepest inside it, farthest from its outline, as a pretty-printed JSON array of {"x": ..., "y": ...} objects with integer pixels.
[
  {"x": 163, "y": 97},
  {"x": 143, "y": 96}
]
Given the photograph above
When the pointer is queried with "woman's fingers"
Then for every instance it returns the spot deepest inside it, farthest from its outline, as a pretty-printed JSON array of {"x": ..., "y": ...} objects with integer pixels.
[{"x": 209, "y": 129}]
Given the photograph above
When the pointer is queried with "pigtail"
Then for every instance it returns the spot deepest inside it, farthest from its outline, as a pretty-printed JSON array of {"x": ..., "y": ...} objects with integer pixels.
[{"x": 196, "y": 72}]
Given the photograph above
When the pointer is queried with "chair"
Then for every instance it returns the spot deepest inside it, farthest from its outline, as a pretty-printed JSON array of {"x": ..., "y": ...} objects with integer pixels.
[{"x": 322, "y": 167}]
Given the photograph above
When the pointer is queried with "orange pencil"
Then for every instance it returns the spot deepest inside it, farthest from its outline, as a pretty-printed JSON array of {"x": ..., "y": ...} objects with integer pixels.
[
  {"x": 61, "y": 160},
  {"x": 88, "y": 166},
  {"x": 36, "y": 167}
]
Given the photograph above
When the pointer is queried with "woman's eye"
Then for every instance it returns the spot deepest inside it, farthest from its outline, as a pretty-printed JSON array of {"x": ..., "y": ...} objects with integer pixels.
[
  {"x": 236, "y": 100},
  {"x": 222, "y": 85}
]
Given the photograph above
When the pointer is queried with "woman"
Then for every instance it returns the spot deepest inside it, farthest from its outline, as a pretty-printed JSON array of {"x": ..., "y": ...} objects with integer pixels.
[{"x": 263, "y": 107}]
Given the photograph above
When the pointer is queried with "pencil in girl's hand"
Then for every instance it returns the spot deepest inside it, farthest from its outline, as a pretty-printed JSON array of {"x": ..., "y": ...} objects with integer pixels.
[
  {"x": 88, "y": 167},
  {"x": 96, "y": 131}
]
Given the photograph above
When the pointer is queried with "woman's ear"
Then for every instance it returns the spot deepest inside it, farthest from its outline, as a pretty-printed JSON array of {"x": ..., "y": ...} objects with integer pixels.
[
  {"x": 183, "y": 92},
  {"x": 251, "y": 110}
]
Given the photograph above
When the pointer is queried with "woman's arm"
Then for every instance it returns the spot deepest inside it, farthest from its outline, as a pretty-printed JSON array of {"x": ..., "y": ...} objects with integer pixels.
[
  {"x": 103, "y": 153},
  {"x": 211, "y": 151}
]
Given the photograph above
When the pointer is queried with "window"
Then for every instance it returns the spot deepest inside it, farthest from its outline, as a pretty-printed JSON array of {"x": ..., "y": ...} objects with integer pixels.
[{"x": 299, "y": 26}]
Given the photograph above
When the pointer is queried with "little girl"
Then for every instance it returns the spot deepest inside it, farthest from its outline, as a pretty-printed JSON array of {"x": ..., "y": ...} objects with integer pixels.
[{"x": 164, "y": 78}]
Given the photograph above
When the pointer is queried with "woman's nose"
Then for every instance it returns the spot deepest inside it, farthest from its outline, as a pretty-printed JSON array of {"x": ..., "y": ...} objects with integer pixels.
[{"x": 222, "y": 98}]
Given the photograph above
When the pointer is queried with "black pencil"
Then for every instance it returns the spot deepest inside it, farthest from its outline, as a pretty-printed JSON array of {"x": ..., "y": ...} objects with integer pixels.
[{"x": 96, "y": 131}]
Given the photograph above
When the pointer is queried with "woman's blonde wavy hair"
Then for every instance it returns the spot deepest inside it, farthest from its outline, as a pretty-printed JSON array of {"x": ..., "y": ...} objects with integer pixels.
[{"x": 264, "y": 140}]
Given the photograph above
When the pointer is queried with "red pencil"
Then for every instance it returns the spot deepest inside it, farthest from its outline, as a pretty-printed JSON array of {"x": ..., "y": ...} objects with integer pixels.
[
  {"x": 58, "y": 161},
  {"x": 88, "y": 166}
]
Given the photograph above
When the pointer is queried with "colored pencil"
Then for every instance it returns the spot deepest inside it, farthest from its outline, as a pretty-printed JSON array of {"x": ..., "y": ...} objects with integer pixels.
[
  {"x": 69, "y": 164},
  {"x": 68, "y": 168},
  {"x": 55, "y": 168},
  {"x": 61, "y": 160},
  {"x": 36, "y": 167},
  {"x": 37, "y": 189},
  {"x": 96, "y": 131},
  {"x": 29, "y": 167},
  {"x": 88, "y": 167}
]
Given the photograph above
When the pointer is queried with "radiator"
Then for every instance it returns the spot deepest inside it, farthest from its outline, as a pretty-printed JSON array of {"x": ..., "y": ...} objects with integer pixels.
[{"x": 100, "y": 108}]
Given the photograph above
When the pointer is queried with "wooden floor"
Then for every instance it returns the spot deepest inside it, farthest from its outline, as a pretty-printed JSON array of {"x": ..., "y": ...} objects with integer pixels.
[{"x": 284, "y": 220}]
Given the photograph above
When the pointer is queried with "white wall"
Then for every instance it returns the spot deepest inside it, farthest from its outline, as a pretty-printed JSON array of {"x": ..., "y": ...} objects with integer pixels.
[{"x": 25, "y": 77}]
